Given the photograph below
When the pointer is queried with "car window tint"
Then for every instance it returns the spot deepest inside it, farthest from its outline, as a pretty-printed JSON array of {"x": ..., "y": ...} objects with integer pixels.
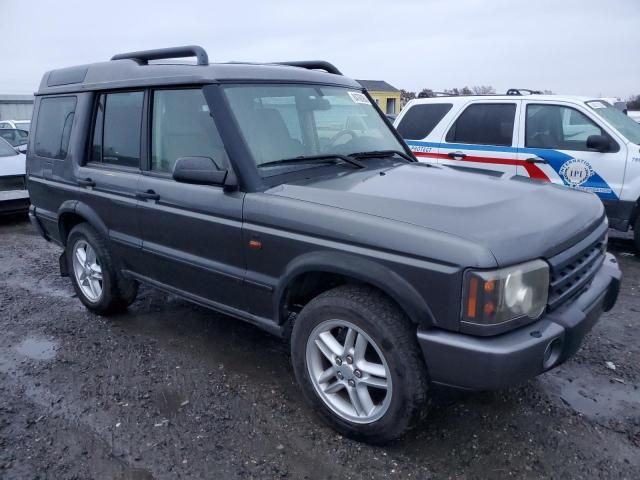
[
  {"x": 558, "y": 127},
  {"x": 420, "y": 120},
  {"x": 122, "y": 124},
  {"x": 484, "y": 124},
  {"x": 183, "y": 127},
  {"x": 55, "y": 118}
]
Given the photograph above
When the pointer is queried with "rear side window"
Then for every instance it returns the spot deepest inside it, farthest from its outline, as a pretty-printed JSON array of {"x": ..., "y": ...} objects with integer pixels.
[
  {"x": 55, "y": 118},
  {"x": 484, "y": 124},
  {"x": 117, "y": 128},
  {"x": 420, "y": 120}
]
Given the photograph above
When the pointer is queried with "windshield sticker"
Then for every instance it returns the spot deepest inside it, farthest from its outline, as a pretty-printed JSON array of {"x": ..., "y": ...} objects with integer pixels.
[
  {"x": 597, "y": 105},
  {"x": 358, "y": 97}
]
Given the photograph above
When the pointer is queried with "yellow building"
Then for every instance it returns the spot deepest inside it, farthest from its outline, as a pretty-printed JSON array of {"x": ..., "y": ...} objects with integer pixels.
[{"x": 386, "y": 96}]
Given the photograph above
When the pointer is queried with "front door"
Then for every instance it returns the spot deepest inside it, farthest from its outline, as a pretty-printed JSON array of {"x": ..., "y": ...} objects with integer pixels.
[
  {"x": 555, "y": 142},
  {"x": 483, "y": 137},
  {"x": 192, "y": 234}
]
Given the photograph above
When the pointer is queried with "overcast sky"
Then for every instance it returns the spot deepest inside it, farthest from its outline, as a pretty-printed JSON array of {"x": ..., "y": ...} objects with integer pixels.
[{"x": 584, "y": 47}]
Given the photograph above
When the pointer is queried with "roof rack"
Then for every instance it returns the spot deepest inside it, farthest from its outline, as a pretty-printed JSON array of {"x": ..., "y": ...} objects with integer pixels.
[
  {"x": 518, "y": 91},
  {"x": 313, "y": 65},
  {"x": 143, "y": 56}
]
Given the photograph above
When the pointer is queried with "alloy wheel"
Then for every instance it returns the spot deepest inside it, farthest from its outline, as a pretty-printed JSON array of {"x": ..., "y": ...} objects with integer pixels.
[
  {"x": 348, "y": 371},
  {"x": 87, "y": 270}
]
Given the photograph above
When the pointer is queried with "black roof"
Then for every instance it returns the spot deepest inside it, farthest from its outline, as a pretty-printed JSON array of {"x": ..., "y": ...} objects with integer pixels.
[
  {"x": 377, "y": 86},
  {"x": 133, "y": 70}
]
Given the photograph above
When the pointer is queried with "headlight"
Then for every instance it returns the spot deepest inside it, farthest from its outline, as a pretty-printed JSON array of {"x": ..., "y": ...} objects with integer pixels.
[{"x": 497, "y": 296}]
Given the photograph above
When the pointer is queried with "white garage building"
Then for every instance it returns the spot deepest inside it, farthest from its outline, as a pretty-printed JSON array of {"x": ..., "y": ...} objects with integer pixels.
[{"x": 16, "y": 107}]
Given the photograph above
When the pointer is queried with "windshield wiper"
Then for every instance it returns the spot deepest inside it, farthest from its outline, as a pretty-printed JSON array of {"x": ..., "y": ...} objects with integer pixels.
[
  {"x": 312, "y": 158},
  {"x": 382, "y": 154}
]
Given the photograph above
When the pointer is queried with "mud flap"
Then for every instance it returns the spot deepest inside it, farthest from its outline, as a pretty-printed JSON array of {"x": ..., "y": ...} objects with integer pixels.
[{"x": 64, "y": 271}]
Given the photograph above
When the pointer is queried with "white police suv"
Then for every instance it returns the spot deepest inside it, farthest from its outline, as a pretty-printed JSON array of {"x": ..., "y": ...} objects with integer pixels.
[{"x": 582, "y": 143}]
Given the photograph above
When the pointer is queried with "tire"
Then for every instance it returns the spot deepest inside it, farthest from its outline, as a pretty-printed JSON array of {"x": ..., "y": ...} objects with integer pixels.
[
  {"x": 636, "y": 234},
  {"x": 392, "y": 348},
  {"x": 116, "y": 293}
]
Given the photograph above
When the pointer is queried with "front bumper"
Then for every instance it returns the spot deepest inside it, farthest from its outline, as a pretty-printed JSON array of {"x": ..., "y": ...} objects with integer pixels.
[{"x": 486, "y": 363}]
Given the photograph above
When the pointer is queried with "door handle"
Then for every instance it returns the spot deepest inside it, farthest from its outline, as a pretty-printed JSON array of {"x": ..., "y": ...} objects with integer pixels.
[
  {"x": 86, "y": 182},
  {"x": 147, "y": 195},
  {"x": 456, "y": 155},
  {"x": 536, "y": 160}
]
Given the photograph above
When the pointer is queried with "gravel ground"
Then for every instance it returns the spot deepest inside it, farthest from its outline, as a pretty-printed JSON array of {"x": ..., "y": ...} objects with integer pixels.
[{"x": 171, "y": 390}]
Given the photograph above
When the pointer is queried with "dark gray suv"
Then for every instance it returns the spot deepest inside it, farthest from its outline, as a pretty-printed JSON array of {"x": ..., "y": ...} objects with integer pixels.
[{"x": 279, "y": 194}]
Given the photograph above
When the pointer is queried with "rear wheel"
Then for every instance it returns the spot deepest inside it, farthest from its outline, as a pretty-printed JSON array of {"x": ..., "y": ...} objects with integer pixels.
[
  {"x": 636, "y": 234},
  {"x": 99, "y": 286},
  {"x": 356, "y": 358}
]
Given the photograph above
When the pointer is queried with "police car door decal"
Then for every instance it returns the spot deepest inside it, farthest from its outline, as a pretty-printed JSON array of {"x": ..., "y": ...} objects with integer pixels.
[{"x": 570, "y": 163}]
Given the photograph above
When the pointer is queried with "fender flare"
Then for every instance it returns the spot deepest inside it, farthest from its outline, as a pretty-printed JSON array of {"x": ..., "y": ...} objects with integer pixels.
[
  {"x": 82, "y": 210},
  {"x": 359, "y": 268}
]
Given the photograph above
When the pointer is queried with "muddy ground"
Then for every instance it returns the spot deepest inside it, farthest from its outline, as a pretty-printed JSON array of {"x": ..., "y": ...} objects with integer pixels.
[{"x": 171, "y": 390}]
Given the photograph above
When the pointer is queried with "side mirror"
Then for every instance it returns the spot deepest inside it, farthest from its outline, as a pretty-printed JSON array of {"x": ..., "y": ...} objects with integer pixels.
[
  {"x": 22, "y": 148},
  {"x": 198, "y": 170},
  {"x": 599, "y": 143}
]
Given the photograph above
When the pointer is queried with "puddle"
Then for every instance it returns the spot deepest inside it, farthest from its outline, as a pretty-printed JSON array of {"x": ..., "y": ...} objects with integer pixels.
[
  {"x": 596, "y": 397},
  {"x": 37, "y": 348}
]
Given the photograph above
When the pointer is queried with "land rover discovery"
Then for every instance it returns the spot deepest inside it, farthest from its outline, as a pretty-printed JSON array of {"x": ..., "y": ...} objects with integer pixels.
[{"x": 280, "y": 194}]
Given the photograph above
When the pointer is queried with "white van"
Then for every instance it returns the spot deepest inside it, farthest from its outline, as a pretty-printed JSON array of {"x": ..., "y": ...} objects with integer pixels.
[{"x": 581, "y": 143}]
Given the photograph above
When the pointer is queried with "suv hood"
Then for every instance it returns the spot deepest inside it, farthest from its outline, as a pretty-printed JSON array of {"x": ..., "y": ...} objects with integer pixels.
[{"x": 516, "y": 218}]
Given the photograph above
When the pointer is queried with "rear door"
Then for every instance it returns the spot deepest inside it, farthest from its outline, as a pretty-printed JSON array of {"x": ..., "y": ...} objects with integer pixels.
[
  {"x": 554, "y": 148},
  {"x": 483, "y": 137},
  {"x": 192, "y": 234},
  {"x": 111, "y": 175},
  {"x": 420, "y": 127}
]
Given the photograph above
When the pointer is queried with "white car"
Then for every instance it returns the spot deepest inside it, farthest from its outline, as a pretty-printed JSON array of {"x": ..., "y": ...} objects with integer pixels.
[
  {"x": 634, "y": 115},
  {"x": 616, "y": 102},
  {"x": 19, "y": 124},
  {"x": 14, "y": 197},
  {"x": 578, "y": 142}
]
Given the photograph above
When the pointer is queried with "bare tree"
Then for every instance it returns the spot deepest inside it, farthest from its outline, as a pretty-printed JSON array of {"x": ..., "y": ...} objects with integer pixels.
[
  {"x": 633, "y": 103},
  {"x": 483, "y": 90},
  {"x": 426, "y": 93},
  {"x": 405, "y": 96}
]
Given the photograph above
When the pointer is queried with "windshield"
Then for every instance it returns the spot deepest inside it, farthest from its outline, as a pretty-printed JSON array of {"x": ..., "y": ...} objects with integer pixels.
[
  {"x": 6, "y": 150},
  {"x": 281, "y": 122},
  {"x": 620, "y": 121},
  {"x": 23, "y": 125}
]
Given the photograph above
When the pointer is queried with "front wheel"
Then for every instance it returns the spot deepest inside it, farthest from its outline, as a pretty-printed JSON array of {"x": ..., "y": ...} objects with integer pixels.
[
  {"x": 356, "y": 358},
  {"x": 636, "y": 234}
]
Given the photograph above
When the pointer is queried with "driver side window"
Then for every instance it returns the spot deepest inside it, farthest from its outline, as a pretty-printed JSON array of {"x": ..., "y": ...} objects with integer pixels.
[
  {"x": 559, "y": 128},
  {"x": 182, "y": 126}
]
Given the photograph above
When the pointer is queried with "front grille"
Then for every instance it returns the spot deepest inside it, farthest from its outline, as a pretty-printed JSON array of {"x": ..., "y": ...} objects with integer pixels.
[
  {"x": 15, "y": 182},
  {"x": 573, "y": 270}
]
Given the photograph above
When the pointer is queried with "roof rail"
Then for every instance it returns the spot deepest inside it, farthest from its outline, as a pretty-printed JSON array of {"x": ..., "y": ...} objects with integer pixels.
[
  {"x": 518, "y": 91},
  {"x": 143, "y": 56},
  {"x": 313, "y": 65}
]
